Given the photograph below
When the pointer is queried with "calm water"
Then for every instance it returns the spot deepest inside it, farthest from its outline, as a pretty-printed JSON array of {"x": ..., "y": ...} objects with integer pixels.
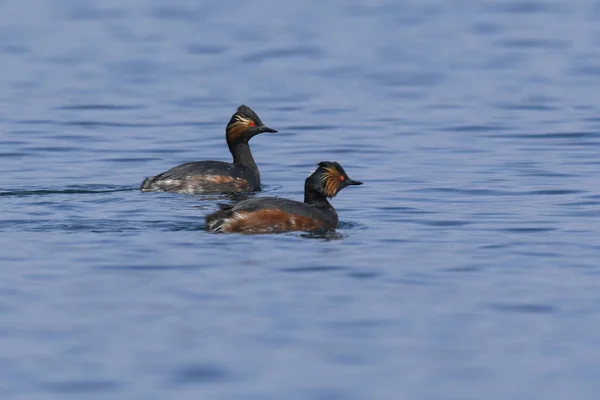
[{"x": 466, "y": 267}]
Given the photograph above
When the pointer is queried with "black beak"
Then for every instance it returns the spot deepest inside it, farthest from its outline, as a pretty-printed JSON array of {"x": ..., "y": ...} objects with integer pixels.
[
  {"x": 267, "y": 129},
  {"x": 353, "y": 182}
]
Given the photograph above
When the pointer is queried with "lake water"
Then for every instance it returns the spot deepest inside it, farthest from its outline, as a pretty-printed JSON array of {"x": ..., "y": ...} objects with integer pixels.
[{"x": 466, "y": 267}]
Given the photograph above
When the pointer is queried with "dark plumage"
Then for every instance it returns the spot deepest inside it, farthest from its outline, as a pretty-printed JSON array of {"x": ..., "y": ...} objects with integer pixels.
[
  {"x": 217, "y": 176},
  {"x": 273, "y": 214}
]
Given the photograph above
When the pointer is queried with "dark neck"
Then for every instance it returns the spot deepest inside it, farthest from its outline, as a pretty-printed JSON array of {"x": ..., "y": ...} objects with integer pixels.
[
  {"x": 243, "y": 156},
  {"x": 319, "y": 201},
  {"x": 316, "y": 199}
]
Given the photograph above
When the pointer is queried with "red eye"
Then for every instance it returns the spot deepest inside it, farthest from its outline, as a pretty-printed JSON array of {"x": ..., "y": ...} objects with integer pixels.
[
  {"x": 251, "y": 123},
  {"x": 342, "y": 178}
]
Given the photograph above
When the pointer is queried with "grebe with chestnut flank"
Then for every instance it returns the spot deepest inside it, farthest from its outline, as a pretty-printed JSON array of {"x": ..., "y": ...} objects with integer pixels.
[
  {"x": 217, "y": 176},
  {"x": 275, "y": 215}
]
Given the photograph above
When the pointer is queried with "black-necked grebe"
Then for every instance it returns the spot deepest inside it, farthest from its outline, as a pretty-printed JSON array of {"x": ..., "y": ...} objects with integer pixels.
[
  {"x": 274, "y": 215},
  {"x": 217, "y": 176}
]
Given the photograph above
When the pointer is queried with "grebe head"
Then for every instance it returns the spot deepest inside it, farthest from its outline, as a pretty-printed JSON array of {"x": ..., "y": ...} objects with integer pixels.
[
  {"x": 329, "y": 179},
  {"x": 244, "y": 125}
]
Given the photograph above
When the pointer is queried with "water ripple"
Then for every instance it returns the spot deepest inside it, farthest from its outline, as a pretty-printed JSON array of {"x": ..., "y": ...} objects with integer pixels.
[
  {"x": 83, "y": 386},
  {"x": 523, "y": 308},
  {"x": 83, "y": 190},
  {"x": 201, "y": 374},
  {"x": 310, "y": 53},
  {"x": 102, "y": 107}
]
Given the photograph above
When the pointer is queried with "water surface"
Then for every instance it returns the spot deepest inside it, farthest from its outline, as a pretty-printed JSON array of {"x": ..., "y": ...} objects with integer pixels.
[{"x": 465, "y": 267}]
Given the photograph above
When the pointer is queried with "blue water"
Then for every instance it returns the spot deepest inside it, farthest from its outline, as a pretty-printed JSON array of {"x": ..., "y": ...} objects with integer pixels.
[{"x": 466, "y": 267}]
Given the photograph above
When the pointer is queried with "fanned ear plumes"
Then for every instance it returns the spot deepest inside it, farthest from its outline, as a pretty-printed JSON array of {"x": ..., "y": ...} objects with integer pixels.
[
  {"x": 240, "y": 122},
  {"x": 332, "y": 179},
  {"x": 245, "y": 124}
]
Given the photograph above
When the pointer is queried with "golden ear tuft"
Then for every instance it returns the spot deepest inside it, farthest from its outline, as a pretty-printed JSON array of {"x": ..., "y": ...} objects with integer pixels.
[
  {"x": 331, "y": 179},
  {"x": 238, "y": 126}
]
